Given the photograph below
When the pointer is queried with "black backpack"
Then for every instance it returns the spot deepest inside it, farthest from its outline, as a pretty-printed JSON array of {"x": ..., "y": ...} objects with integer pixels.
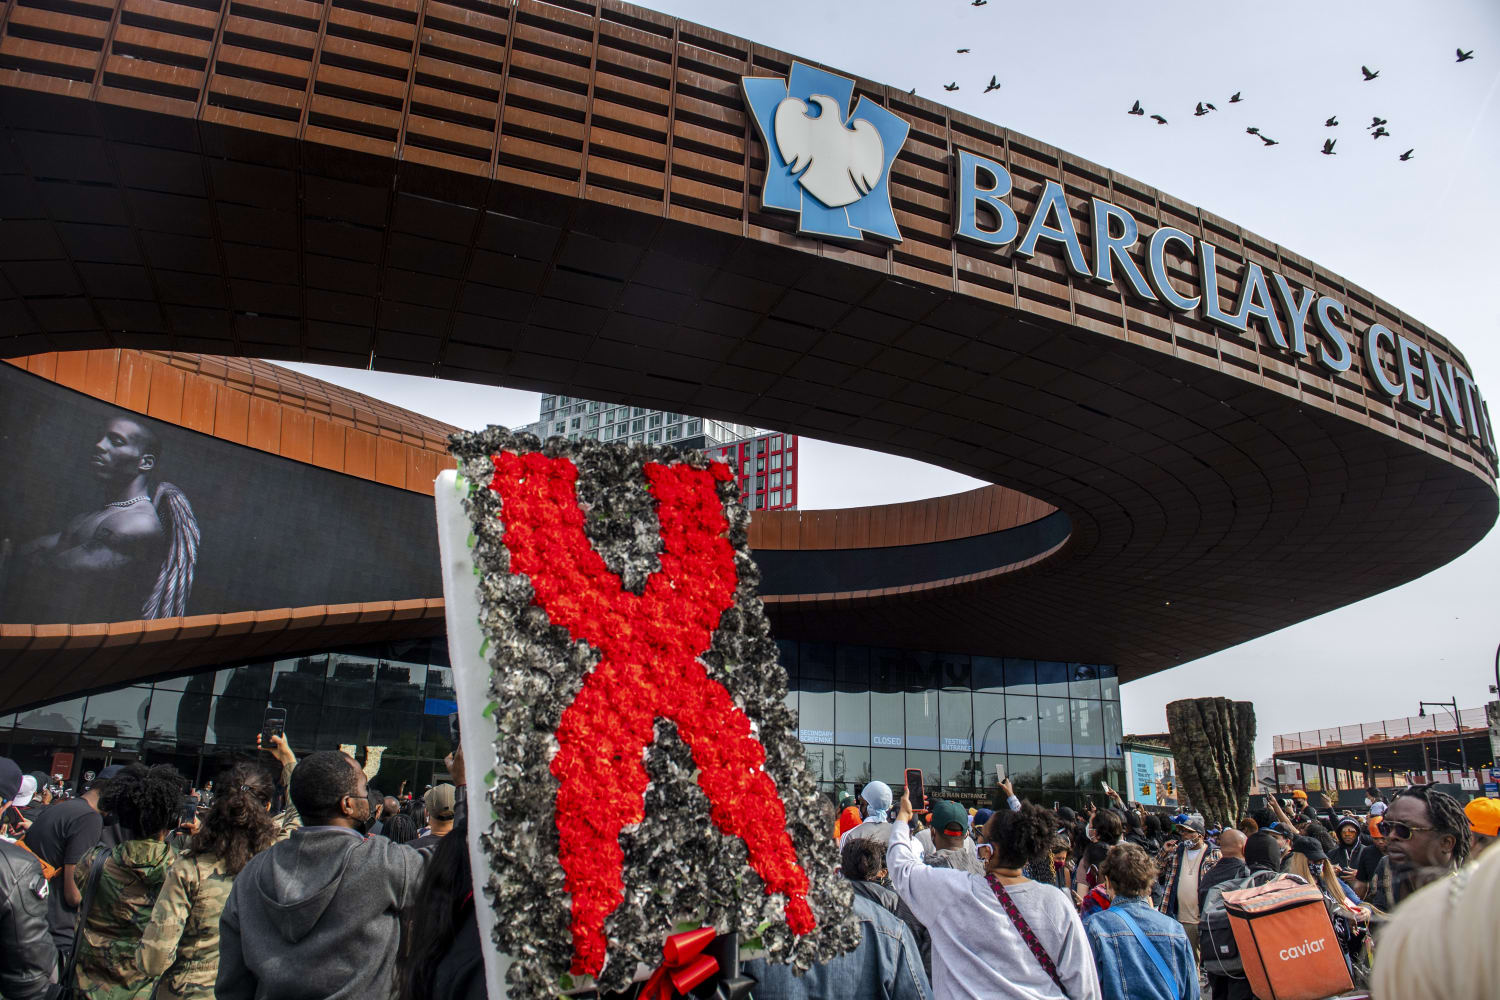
[{"x": 1220, "y": 953}]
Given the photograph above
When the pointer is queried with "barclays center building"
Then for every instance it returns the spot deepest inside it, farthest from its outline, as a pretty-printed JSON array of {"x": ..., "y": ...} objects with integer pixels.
[{"x": 1192, "y": 435}]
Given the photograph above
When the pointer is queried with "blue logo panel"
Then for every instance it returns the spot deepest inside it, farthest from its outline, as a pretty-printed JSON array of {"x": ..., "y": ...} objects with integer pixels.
[{"x": 838, "y": 177}]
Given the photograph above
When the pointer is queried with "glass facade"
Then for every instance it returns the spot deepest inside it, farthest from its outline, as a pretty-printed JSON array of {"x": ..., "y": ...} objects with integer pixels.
[
  {"x": 870, "y": 713},
  {"x": 397, "y": 695},
  {"x": 863, "y": 713}
]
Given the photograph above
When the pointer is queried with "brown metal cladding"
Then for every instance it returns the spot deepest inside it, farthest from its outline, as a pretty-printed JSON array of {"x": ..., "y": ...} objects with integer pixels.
[{"x": 564, "y": 197}]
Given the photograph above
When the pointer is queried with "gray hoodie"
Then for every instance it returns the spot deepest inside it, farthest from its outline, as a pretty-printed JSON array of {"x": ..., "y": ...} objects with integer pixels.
[{"x": 317, "y": 917}]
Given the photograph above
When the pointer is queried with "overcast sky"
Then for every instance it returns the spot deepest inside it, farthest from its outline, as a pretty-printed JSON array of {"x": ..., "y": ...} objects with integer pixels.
[{"x": 1420, "y": 234}]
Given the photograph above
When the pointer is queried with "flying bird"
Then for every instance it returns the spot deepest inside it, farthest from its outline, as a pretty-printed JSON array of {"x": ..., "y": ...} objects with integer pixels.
[
  {"x": 837, "y": 165},
  {"x": 1199, "y": 112},
  {"x": 1136, "y": 109},
  {"x": 1209, "y": 106},
  {"x": 1269, "y": 141},
  {"x": 1328, "y": 147},
  {"x": 978, "y": 3},
  {"x": 1158, "y": 119},
  {"x": 1464, "y": 56},
  {"x": 1378, "y": 133},
  {"x": 1253, "y": 130},
  {"x": 963, "y": 51},
  {"x": 951, "y": 86},
  {"x": 1407, "y": 155},
  {"x": 1332, "y": 122},
  {"x": 1376, "y": 121},
  {"x": 1369, "y": 75},
  {"x": 1235, "y": 98},
  {"x": 994, "y": 84}
]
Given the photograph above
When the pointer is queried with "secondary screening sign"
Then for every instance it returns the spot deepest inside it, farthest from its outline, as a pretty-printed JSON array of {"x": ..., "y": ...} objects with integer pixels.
[{"x": 1153, "y": 778}]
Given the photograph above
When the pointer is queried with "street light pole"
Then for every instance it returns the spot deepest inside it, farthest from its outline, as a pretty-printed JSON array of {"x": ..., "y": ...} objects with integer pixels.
[
  {"x": 1458, "y": 727},
  {"x": 983, "y": 741}
]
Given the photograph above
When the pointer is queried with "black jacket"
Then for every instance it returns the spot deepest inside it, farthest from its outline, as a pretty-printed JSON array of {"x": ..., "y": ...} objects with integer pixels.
[
  {"x": 27, "y": 955},
  {"x": 1226, "y": 870},
  {"x": 460, "y": 972}
]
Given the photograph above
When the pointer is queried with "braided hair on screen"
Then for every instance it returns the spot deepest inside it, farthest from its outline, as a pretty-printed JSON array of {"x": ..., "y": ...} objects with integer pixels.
[
  {"x": 174, "y": 580},
  {"x": 145, "y": 799},
  {"x": 1446, "y": 815}
]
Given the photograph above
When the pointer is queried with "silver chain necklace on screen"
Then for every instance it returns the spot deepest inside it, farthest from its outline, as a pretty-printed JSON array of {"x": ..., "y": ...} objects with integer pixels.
[{"x": 128, "y": 503}]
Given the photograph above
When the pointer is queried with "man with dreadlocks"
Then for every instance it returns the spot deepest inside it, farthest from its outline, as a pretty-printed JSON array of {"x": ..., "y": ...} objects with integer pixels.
[
  {"x": 133, "y": 556},
  {"x": 1427, "y": 838}
]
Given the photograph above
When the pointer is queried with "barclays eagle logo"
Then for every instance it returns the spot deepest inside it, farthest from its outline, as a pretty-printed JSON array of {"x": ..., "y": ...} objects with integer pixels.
[{"x": 833, "y": 173}]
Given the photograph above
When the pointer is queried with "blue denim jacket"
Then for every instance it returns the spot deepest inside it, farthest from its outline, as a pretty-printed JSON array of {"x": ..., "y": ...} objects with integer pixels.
[
  {"x": 886, "y": 965},
  {"x": 1126, "y": 972}
]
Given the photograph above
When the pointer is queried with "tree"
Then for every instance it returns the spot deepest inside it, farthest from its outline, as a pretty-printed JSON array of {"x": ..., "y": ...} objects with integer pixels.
[{"x": 1213, "y": 741}]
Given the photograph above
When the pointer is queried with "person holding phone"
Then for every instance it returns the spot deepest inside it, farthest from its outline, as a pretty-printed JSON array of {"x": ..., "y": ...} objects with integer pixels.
[
  {"x": 181, "y": 942},
  {"x": 1001, "y": 935},
  {"x": 318, "y": 915},
  {"x": 1354, "y": 856}
]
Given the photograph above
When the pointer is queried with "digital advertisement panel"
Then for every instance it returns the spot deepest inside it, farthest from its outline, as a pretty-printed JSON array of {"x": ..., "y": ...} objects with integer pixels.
[
  {"x": 107, "y": 516},
  {"x": 1153, "y": 779}
]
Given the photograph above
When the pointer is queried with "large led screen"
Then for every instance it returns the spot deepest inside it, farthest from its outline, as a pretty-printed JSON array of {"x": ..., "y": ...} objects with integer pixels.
[{"x": 106, "y": 515}]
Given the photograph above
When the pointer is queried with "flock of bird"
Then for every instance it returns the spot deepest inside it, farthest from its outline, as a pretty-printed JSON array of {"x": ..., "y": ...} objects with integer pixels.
[{"x": 1376, "y": 128}]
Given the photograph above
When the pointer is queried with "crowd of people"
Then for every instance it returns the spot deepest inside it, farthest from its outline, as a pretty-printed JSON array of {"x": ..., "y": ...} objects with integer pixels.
[
  {"x": 296, "y": 880},
  {"x": 299, "y": 880},
  {"x": 1122, "y": 903}
]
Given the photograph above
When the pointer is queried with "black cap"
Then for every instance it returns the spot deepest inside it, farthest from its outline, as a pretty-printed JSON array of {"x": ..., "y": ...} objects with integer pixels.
[
  {"x": 1262, "y": 850},
  {"x": 1310, "y": 847},
  {"x": 10, "y": 779}
]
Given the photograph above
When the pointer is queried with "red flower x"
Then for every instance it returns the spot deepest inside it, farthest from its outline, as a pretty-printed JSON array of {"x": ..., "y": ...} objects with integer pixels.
[{"x": 649, "y": 668}]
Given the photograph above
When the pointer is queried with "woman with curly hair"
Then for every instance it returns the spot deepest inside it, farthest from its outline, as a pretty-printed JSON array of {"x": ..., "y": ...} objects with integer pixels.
[
  {"x": 1002, "y": 935},
  {"x": 181, "y": 942},
  {"x": 147, "y": 802}
]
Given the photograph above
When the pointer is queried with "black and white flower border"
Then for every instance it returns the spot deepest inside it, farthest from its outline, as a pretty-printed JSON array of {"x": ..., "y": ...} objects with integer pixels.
[{"x": 679, "y": 868}]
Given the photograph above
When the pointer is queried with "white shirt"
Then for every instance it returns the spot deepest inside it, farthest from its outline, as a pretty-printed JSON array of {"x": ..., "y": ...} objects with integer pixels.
[
  {"x": 874, "y": 829},
  {"x": 1188, "y": 880},
  {"x": 977, "y": 952}
]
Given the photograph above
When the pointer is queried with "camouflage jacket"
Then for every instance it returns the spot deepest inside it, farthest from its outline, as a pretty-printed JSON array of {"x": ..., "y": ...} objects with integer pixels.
[
  {"x": 128, "y": 886},
  {"x": 180, "y": 945}
]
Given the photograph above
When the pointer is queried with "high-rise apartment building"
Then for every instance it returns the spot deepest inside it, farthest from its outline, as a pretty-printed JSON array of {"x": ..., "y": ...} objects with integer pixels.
[
  {"x": 764, "y": 461},
  {"x": 766, "y": 466}
]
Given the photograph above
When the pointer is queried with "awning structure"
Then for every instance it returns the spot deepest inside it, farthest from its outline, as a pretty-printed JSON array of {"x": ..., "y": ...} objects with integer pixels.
[
  {"x": 566, "y": 197},
  {"x": 1392, "y": 752}
]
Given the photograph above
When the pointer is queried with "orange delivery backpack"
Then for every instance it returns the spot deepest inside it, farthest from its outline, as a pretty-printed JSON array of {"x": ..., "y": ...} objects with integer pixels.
[{"x": 1287, "y": 942}]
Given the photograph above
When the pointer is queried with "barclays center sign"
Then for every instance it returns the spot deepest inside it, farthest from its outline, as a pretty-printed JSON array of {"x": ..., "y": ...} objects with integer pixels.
[{"x": 829, "y": 164}]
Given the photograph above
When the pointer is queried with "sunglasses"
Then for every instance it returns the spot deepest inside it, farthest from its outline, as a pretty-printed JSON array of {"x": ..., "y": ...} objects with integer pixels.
[{"x": 1401, "y": 831}]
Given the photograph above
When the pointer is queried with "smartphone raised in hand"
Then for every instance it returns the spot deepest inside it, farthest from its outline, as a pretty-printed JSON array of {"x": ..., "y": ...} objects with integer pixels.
[
  {"x": 273, "y": 723},
  {"x": 915, "y": 789}
]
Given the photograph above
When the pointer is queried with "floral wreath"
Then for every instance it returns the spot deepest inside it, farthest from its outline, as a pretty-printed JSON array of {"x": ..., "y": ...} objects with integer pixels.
[{"x": 647, "y": 770}]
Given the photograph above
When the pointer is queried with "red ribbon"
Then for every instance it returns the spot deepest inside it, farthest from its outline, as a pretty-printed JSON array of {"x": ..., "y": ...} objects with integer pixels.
[{"x": 683, "y": 966}]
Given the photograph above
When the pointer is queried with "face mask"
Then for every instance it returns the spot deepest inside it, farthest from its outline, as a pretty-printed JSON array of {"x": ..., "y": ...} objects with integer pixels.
[{"x": 1316, "y": 867}]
